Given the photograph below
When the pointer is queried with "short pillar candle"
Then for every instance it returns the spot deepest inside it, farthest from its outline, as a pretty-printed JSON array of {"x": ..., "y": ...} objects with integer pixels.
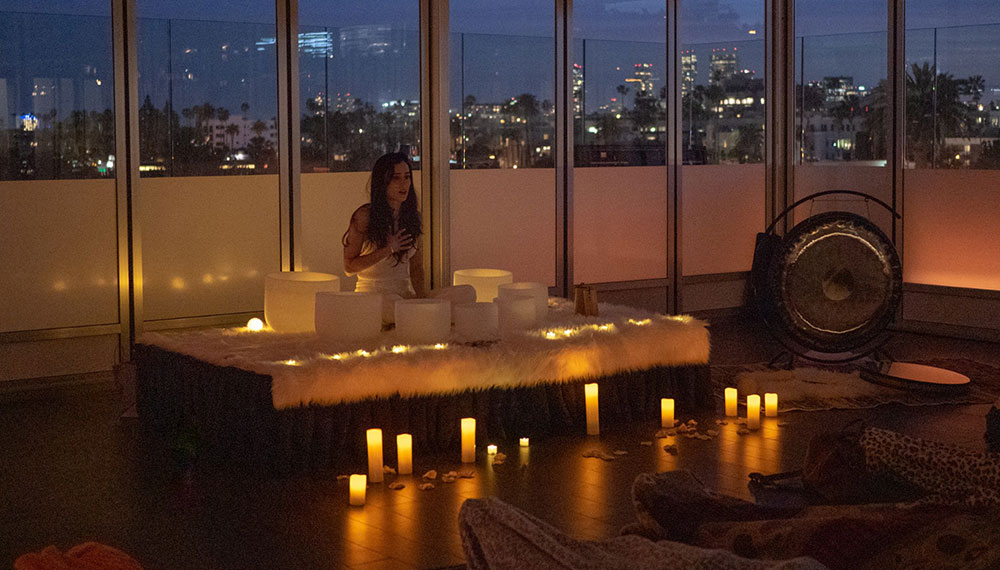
[
  {"x": 404, "y": 454},
  {"x": 375, "y": 455},
  {"x": 468, "y": 440},
  {"x": 753, "y": 411},
  {"x": 593, "y": 415},
  {"x": 770, "y": 404},
  {"x": 491, "y": 449},
  {"x": 731, "y": 395},
  {"x": 524, "y": 442},
  {"x": 358, "y": 484},
  {"x": 667, "y": 412}
]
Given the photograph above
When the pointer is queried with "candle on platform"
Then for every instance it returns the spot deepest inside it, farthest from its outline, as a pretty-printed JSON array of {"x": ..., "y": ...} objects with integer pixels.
[
  {"x": 491, "y": 449},
  {"x": 667, "y": 412},
  {"x": 753, "y": 411},
  {"x": 375, "y": 455},
  {"x": 468, "y": 440},
  {"x": 593, "y": 415},
  {"x": 731, "y": 396},
  {"x": 524, "y": 442},
  {"x": 404, "y": 454},
  {"x": 770, "y": 404},
  {"x": 358, "y": 483}
]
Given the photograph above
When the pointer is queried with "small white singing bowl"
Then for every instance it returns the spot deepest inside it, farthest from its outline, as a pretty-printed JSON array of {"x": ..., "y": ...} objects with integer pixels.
[
  {"x": 290, "y": 299},
  {"x": 348, "y": 316},
  {"x": 423, "y": 321},
  {"x": 537, "y": 291},
  {"x": 476, "y": 322},
  {"x": 484, "y": 281},
  {"x": 516, "y": 313}
]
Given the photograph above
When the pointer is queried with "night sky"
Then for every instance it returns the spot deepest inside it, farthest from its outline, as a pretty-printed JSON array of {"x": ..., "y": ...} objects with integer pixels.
[{"x": 507, "y": 47}]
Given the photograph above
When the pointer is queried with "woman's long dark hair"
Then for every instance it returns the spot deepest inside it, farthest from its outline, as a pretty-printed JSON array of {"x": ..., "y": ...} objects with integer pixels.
[{"x": 380, "y": 213}]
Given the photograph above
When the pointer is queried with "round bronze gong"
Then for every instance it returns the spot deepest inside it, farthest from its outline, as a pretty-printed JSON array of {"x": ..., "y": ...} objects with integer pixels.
[{"x": 834, "y": 282}]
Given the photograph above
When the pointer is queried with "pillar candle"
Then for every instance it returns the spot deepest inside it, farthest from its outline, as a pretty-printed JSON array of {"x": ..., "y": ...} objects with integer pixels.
[
  {"x": 753, "y": 411},
  {"x": 358, "y": 483},
  {"x": 404, "y": 454},
  {"x": 667, "y": 412},
  {"x": 491, "y": 450},
  {"x": 375, "y": 455},
  {"x": 524, "y": 442},
  {"x": 593, "y": 416},
  {"x": 731, "y": 396},
  {"x": 468, "y": 440},
  {"x": 770, "y": 404}
]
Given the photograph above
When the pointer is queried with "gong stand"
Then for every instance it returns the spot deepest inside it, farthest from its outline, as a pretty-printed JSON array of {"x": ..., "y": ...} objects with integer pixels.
[{"x": 828, "y": 289}]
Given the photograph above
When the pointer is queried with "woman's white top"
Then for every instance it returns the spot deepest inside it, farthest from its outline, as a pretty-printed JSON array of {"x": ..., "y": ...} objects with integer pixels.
[{"x": 388, "y": 275}]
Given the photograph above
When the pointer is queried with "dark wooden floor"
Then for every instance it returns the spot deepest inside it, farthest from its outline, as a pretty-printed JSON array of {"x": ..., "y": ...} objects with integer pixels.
[{"x": 71, "y": 472}]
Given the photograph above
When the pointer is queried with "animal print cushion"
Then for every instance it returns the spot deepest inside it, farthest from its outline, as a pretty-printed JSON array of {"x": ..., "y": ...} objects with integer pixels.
[{"x": 949, "y": 474}]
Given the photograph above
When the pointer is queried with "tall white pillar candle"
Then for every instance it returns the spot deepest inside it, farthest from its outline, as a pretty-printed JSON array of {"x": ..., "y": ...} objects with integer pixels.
[
  {"x": 468, "y": 440},
  {"x": 770, "y": 404},
  {"x": 667, "y": 412},
  {"x": 375, "y": 455},
  {"x": 753, "y": 412},
  {"x": 731, "y": 396},
  {"x": 358, "y": 484},
  {"x": 593, "y": 415},
  {"x": 404, "y": 454}
]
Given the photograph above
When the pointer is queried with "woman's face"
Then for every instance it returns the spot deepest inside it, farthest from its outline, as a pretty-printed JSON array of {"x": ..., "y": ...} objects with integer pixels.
[{"x": 398, "y": 187}]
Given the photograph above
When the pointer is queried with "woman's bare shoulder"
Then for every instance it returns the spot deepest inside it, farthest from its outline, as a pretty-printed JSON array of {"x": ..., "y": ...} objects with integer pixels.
[{"x": 360, "y": 216}]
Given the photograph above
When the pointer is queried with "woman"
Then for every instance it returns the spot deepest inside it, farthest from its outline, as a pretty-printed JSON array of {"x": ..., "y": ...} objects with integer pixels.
[{"x": 381, "y": 242}]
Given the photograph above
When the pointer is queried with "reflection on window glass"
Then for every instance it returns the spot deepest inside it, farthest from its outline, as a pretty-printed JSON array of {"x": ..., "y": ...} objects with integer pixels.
[
  {"x": 207, "y": 92},
  {"x": 840, "y": 68},
  {"x": 619, "y": 93},
  {"x": 359, "y": 83},
  {"x": 952, "y": 84},
  {"x": 56, "y": 93},
  {"x": 502, "y": 90},
  {"x": 722, "y": 82}
]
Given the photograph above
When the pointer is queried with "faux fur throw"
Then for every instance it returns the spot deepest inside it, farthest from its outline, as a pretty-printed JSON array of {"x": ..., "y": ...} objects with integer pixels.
[{"x": 307, "y": 370}]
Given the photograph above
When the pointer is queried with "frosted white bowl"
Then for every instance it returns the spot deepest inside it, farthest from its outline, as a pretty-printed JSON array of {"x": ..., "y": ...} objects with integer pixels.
[
  {"x": 348, "y": 316},
  {"x": 476, "y": 322},
  {"x": 537, "y": 291},
  {"x": 484, "y": 281},
  {"x": 290, "y": 299},
  {"x": 423, "y": 321},
  {"x": 516, "y": 313}
]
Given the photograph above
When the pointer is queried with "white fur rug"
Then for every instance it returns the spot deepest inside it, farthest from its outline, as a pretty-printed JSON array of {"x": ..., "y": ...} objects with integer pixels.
[{"x": 306, "y": 370}]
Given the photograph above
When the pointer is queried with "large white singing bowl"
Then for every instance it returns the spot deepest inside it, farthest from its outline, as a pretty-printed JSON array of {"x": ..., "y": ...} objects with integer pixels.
[
  {"x": 484, "y": 281},
  {"x": 475, "y": 322},
  {"x": 290, "y": 299},
  {"x": 537, "y": 291},
  {"x": 423, "y": 321},
  {"x": 516, "y": 313},
  {"x": 348, "y": 316}
]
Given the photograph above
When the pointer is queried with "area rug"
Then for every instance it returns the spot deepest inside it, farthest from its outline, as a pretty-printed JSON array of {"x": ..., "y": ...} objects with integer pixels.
[{"x": 812, "y": 388}]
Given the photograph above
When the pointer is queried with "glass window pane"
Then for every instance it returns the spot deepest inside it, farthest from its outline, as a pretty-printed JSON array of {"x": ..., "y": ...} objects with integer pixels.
[
  {"x": 359, "y": 87},
  {"x": 208, "y": 92},
  {"x": 840, "y": 81},
  {"x": 502, "y": 118},
  {"x": 952, "y": 84},
  {"x": 56, "y": 91},
  {"x": 722, "y": 118}
]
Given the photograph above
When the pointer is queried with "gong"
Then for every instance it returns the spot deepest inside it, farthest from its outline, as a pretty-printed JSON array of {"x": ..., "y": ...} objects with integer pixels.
[{"x": 832, "y": 284}]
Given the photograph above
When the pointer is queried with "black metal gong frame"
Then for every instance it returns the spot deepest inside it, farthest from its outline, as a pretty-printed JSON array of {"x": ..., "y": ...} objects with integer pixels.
[{"x": 765, "y": 249}]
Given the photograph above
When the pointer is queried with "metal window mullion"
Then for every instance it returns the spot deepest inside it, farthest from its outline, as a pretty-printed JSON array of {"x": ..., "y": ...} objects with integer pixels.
[
  {"x": 563, "y": 46},
  {"x": 130, "y": 314},
  {"x": 289, "y": 149},
  {"x": 897, "y": 85},
  {"x": 435, "y": 144},
  {"x": 779, "y": 128},
  {"x": 674, "y": 157}
]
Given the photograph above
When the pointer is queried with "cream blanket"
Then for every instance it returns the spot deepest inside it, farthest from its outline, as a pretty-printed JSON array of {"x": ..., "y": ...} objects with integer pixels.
[{"x": 306, "y": 370}]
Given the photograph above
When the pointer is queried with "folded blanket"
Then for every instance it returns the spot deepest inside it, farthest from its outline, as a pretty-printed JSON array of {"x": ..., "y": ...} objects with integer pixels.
[
  {"x": 498, "y": 536},
  {"x": 86, "y": 556}
]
